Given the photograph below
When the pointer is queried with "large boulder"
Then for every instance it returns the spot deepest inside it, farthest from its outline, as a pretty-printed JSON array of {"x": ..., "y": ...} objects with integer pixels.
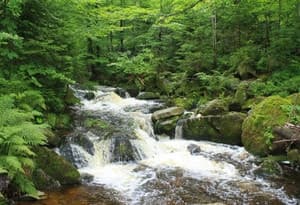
[
  {"x": 167, "y": 113},
  {"x": 55, "y": 166},
  {"x": 122, "y": 150},
  {"x": 167, "y": 126},
  {"x": 214, "y": 107},
  {"x": 42, "y": 181},
  {"x": 258, "y": 127},
  {"x": 148, "y": 96},
  {"x": 225, "y": 128}
]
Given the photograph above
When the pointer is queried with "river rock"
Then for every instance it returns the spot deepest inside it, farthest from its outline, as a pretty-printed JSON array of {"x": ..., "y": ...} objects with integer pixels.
[
  {"x": 225, "y": 128},
  {"x": 167, "y": 113},
  {"x": 89, "y": 96},
  {"x": 56, "y": 166},
  {"x": 86, "y": 178},
  {"x": 166, "y": 126},
  {"x": 214, "y": 107},
  {"x": 148, "y": 96},
  {"x": 122, "y": 92},
  {"x": 42, "y": 181},
  {"x": 74, "y": 154},
  {"x": 269, "y": 167},
  {"x": 122, "y": 150},
  {"x": 194, "y": 149},
  {"x": 257, "y": 136}
]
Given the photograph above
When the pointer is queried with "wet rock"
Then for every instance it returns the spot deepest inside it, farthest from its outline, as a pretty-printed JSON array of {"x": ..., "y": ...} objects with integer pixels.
[
  {"x": 148, "y": 96},
  {"x": 269, "y": 167},
  {"x": 42, "y": 181},
  {"x": 166, "y": 126},
  {"x": 86, "y": 178},
  {"x": 257, "y": 128},
  {"x": 122, "y": 92},
  {"x": 194, "y": 149},
  {"x": 84, "y": 142},
  {"x": 225, "y": 128},
  {"x": 55, "y": 166},
  {"x": 74, "y": 154},
  {"x": 294, "y": 156},
  {"x": 167, "y": 113},
  {"x": 89, "y": 96},
  {"x": 122, "y": 150},
  {"x": 214, "y": 107}
]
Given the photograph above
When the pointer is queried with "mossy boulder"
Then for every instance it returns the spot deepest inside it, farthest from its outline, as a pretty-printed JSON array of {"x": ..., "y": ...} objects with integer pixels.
[
  {"x": 293, "y": 155},
  {"x": 167, "y": 113},
  {"x": 166, "y": 126},
  {"x": 89, "y": 96},
  {"x": 225, "y": 128},
  {"x": 148, "y": 96},
  {"x": 55, "y": 166},
  {"x": 42, "y": 181},
  {"x": 269, "y": 167},
  {"x": 257, "y": 128},
  {"x": 295, "y": 98},
  {"x": 214, "y": 107}
]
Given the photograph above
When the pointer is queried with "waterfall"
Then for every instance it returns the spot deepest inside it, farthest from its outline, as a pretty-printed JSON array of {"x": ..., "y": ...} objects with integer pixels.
[{"x": 117, "y": 145}]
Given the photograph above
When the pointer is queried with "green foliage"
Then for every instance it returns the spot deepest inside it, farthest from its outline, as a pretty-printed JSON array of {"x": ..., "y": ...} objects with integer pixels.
[{"x": 17, "y": 136}]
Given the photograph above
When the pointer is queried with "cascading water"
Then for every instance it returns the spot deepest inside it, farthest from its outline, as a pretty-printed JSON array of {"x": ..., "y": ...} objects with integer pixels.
[{"x": 114, "y": 142}]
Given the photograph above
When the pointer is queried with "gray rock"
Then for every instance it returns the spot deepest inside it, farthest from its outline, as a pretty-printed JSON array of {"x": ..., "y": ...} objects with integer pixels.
[
  {"x": 167, "y": 113},
  {"x": 89, "y": 96},
  {"x": 225, "y": 128},
  {"x": 148, "y": 96},
  {"x": 86, "y": 178},
  {"x": 194, "y": 149},
  {"x": 214, "y": 107}
]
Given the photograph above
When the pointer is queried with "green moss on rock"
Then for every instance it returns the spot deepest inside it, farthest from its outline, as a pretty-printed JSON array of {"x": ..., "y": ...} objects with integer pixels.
[
  {"x": 42, "y": 181},
  {"x": 294, "y": 156},
  {"x": 257, "y": 128},
  {"x": 55, "y": 166},
  {"x": 214, "y": 107}
]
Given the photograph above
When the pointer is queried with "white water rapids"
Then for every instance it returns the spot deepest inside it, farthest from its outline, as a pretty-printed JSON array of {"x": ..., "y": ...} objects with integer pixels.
[{"x": 167, "y": 173}]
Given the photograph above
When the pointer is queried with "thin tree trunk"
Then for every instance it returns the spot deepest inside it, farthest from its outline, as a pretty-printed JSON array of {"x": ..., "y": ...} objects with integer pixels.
[{"x": 214, "y": 37}]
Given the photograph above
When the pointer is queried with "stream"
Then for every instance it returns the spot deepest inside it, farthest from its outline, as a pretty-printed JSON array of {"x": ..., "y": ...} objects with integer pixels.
[{"x": 122, "y": 161}]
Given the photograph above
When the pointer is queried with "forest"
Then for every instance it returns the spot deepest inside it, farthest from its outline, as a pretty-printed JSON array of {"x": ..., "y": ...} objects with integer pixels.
[{"x": 240, "y": 54}]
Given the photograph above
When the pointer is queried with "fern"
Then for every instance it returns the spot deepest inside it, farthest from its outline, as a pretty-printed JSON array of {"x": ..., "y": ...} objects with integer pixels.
[{"x": 17, "y": 136}]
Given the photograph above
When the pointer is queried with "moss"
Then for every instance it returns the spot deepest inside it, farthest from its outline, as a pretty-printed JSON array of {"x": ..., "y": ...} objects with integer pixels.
[
  {"x": 70, "y": 98},
  {"x": 96, "y": 123},
  {"x": 148, "y": 96},
  {"x": 295, "y": 98},
  {"x": 229, "y": 127},
  {"x": 249, "y": 104},
  {"x": 241, "y": 93},
  {"x": 166, "y": 127},
  {"x": 55, "y": 166},
  {"x": 264, "y": 117},
  {"x": 214, "y": 107},
  {"x": 186, "y": 103},
  {"x": 44, "y": 182},
  {"x": 294, "y": 156},
  {"x": 270, "y": 167},
  {"x": 60, "y": 121},
  {"x": 199, "y": 129}
]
